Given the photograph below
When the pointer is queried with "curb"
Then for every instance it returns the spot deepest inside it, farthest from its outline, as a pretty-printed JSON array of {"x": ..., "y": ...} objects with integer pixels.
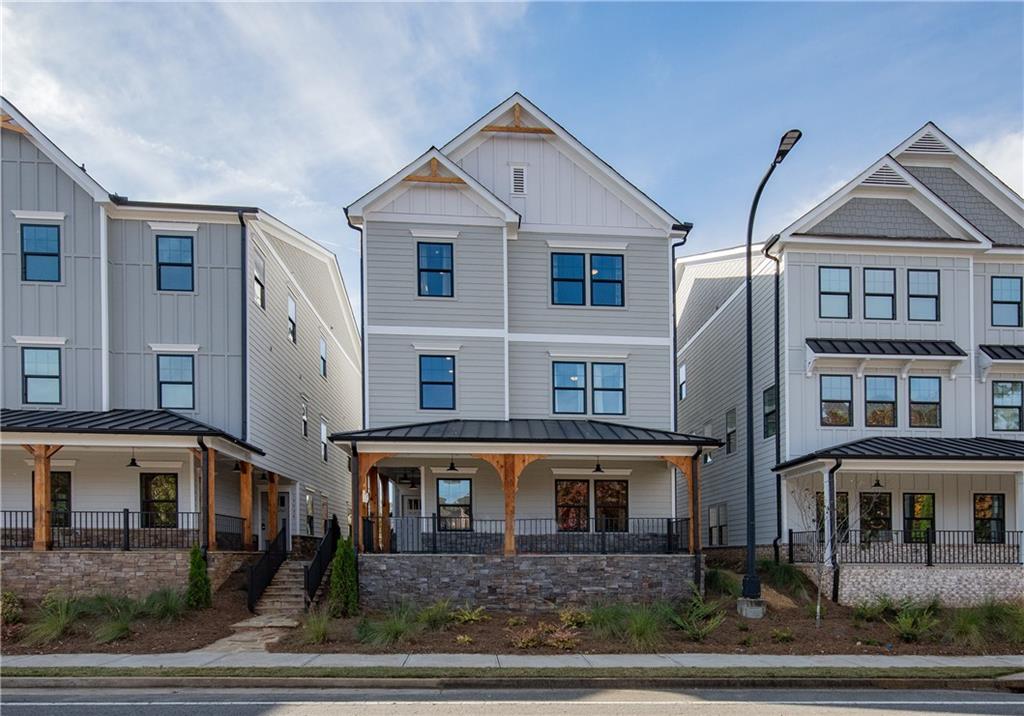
[{"x": 302, "y": 682}]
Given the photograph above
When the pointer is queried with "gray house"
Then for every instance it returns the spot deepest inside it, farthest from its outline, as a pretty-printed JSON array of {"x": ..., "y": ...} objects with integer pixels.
[
  {"x": 170, "y": 372},
  {"x": 517, "y": 315},
  {"x": 891, "y": 450}
]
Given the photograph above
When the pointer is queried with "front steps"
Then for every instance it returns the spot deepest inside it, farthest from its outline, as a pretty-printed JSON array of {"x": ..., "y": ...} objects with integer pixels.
[{"x": 285, "y": 596}]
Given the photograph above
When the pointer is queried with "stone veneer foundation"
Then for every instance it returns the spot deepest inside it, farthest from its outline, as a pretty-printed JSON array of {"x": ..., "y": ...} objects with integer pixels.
[{"x": 523, "y": 582}]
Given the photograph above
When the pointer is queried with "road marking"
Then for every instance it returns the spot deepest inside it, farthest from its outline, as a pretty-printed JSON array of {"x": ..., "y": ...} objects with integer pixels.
[{"x": 522, "y": 702}]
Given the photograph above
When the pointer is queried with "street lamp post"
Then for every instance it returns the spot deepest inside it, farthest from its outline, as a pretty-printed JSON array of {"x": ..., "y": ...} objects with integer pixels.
[{"x": 751, "y": 582}]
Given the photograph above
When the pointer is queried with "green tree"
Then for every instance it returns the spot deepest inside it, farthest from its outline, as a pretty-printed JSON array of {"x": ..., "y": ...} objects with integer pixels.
[
  {"x": 343, "y": 595},
  {"x": 199, "y": 594}
]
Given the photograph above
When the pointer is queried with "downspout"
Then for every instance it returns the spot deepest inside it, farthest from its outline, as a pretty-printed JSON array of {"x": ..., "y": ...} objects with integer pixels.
[
  {"x": 362, "y": 315},
  {"x": 104, "y": 310},
  {"x": 673, "y": 359},
  {"x": 832, "y": 520},
  {"x": 356, "y": 497},
  {"x": 245, "y": 327},
  {"x": 204, "y": 498},
  {"x": 698, "y": 553},
  {"x": 766, "y": 250}
]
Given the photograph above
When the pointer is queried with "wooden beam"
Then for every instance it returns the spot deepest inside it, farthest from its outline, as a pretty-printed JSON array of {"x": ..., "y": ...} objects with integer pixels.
[
  {"x": 434, "y": 180},
  {"x": 211, "y": 489},
  {"x": 7, "y": 122},
  {"x": 509, "y": 468},
  {"x": 271, "y": 507},
  {"x": 690, "y": 467},
  {"x": 515, "y": 129},
  {"x": 367, "y": 461},
  {"x": 42, "y": 538},
  {"x": 245, "y": 502}
]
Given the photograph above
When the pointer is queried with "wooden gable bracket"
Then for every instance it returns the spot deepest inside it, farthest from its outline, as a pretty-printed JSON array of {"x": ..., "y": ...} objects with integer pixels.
[
  {"x": 435, "y": 177},
  {"x": 7, "y": 122},
  {"x": 517, "y": 125}
]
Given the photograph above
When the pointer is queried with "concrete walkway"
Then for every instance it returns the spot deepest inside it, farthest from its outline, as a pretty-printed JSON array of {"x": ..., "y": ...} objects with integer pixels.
[{"x": 211, "y": 658}]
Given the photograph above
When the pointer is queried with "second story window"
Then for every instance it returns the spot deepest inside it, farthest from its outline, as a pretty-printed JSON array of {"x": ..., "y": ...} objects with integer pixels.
[
  {"x": 305, "y": 418},
  {"x": 880, "y": 294},
  {"x": 770, "y": 408},
  {"x": 568, "y": 279},
  {"x": 925, "y": 402},
  {"x": 682, "y": 381},
  {"x": 570, "y": 387},
  {"x": 609, "y": 388},
  {"x": 323, "y": 357},
  {"x": 174, "y": 263},
  {"x": 259, "y": 271},
  {"x": 1006, "y": 301},
  {"x": 880, "y": 401},
  {"x": 40, "y": 253},
  {"x": 437, "y": 382},
  {"x": 1007, "y": 405},
  {"x": 436, "y": 269},
  {"x": 837, "y": 400},
  {"x": 922, "y": 295},
  {"x": 40, "y": 370},
  {"x": 606, "y": 280},
  {"x": 730, "y": 431},
  {"x": 833, "y": 292},
  {"x": 323, "y": 439},
  {"x": 175, "y": 382},
  {"x": 292, "y": 320}
]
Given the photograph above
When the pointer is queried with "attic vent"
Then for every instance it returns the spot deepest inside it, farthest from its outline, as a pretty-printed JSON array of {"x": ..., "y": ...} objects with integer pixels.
[
  {"x": 518, "y": 181},
  {"x": 928, "y": 143},
  {"x": 885, "y": 175}
]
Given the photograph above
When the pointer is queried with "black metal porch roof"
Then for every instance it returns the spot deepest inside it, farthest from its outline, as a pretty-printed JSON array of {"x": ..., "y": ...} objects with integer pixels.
[
  {"x": 910, "y": 448},
  {"x": 525, "y": 431},
  {"x": 1003, "y": 352},
  {"x": 117, "y": 422},
  {"x": 879, "y": 347}
]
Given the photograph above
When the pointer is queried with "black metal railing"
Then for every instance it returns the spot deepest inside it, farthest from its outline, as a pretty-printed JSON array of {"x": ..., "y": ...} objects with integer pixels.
[
  {"x": 460, "y": 535},
  {"x": 262, "y": 573},
  {"x": 927, "y": 547},
  {"x": 313, "y": 573},
  {"x": 16, "y": 529},
  {"x": 230, "y": 532},
  {"x": 123, "y": 529}
]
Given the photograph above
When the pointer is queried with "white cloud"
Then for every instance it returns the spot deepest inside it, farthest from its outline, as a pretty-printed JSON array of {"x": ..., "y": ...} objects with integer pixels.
[{"x": 1003, "y": 154}]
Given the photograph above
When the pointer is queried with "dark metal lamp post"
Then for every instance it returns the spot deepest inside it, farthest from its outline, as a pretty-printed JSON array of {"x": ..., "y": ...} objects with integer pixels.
[{"x": 751, "y": 582}]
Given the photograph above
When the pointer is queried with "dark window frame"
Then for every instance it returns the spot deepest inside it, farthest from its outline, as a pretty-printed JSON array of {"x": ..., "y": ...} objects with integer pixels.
[
  {"x": 822, "y": 401},
  {"x": 325, "y": 438},
  {"x": 842, "y": 535},
  {"x": 293, "y": 321},
  {"x": 594, "y": 390},
  {"x": 894, "y": 402},
  {"x": 911, "y": 402},
  {"x": 259, "y": 287},
  {"x": 848, "y": 293},
  {"x": 305, "y": 418},
  {"x": 1019, "y": 407},
  {"x": 160, "y": 382},
  {"x": 323, "y": 357},
  {"x": 991, "y": 536},
  {"x": 555, "y": 389},
  {"x": 601, "y": 525},
  {"x": 150, "y": 517},
  {"x": 873, "y": 534},
  {"x": 873, "y": 294},
  {"x": 769, "y": 418},
  {"x": 25, "y": 254},
  {"x": 176, "y": 264},
  {"x": 722, "y": 528},
  {"x": 936, "y": 297},
  {"x": 60, "y": 517},
  {"x": 25, "y": 376},
  {"x": 620, "y": 281},
  {"x": 730, "y": 435},
  {"x": 581, "y": 281},
  {"x": 449, "y": 271},
  {"x": 422, "y": 383},
  {"x": 584, "y": 523},
  {"x": 1018, "y": 303},
  {"x": 910, "y": 534},
  {"x": 443, "y": 524}
]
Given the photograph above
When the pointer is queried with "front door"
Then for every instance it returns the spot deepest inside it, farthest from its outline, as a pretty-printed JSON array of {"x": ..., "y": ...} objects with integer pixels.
[
  {"x": 411, "y": 506},
  {"x": 282, "y": 514}
]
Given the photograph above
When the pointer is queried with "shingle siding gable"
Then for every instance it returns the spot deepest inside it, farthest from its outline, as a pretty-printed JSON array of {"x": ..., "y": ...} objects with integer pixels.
[{"x": 884, "y": 218}]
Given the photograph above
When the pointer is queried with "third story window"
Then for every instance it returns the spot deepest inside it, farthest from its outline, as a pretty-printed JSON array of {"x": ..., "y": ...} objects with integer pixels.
[
  {"x": 437, "y": 382},
  {"x": 323, "y": 357},
  {"x": 570, "y": 387},
  {"x": 40, "y": 369},
  {"x": 40, "y": 252},
  {"x": 922, "y": 295},
  {"x": 568, "y": 280},
  {"x": 174, "y": 263},
  {"x": 833, "y": 292},
  {"x": 880, "y": 401},
  {"x": 305, "y": 418},
  {"x": 608, "y": 388},
  {"x": 323, "y": 439},
  {"x": 682, "y": 381},
  {"x": 435, "y": 267},
  {"x": 925, "y": 402},
  {"x": 880, "y": 294},
  {"x": 292, "y": 320},
  {"x": 1006, "y": 301},
  {"x": 730, "y": 431},
  {"x": 1007, "y": 404},
  {"x": 175, "y": 381},
  {"x": 770, "y": 410},
  {"x": 837, "y": 400},
  {"x": 259, "y": 290},
  {"x": 606, "y": 280}
]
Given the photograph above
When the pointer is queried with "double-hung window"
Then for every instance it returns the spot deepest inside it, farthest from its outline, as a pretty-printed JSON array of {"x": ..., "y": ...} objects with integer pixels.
[
  {"x": 770, "y": 411},
  {"x": 682, "y": 381},
  {"x": 833, "y": 292},
  {"x": 174, "y": 263},
  {"x": 159, "y": 499},
  {"x": 568, "y": 279},
  {"x": 876, "y": 517},
  {"x": 607, "y": 277},
  {"x": 259, "y": 272},
  {"x": 880, "y": 401},
  {"x": 842, "y": 522},
  {"x": 40, "y": 370},
  {"x": 880, "y": 294},
  {"x": 922, "y": 295},
  {"x": 454, "y": 504},
  {"x": 718, "y": 524},
  {"x": 837, "y": 400},
  {"x": 611, "y": 505},
  {"x": 1006, "y": 301},
  {"x": 572, "y": 505},
  {"x": 40, "y": 252},
  {"x": 435, "y": 268},
  {"x": 918, "y": 516},
  {"x": 293, "y": 321},
  {"x": 925, "y": 402},
  {"x": 989, "y": 518},
  {"x": 323, "y": 439},
  {"x": 323, "y": 357},
  {"x": 437, "y": 382},
  {"x": 608, "y": 392},
  {"x": 730, "y": 431},
  {"x": 570, "y": 387},
  {"x": 175, "y": 382},
  {"x": 305, "y": 418},
  {"x": 1007, "y": 405}
]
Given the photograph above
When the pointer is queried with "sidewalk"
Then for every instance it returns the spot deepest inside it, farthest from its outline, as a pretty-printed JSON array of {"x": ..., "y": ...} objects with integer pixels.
[{"x": 211, "y": 659}]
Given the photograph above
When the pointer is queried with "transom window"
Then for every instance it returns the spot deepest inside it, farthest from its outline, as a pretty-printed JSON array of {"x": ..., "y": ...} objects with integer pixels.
[
  {"x": 609, "y": 388},
  {"x": 572, "y": 505},
  {"x": 570, "y": 387},
  {"x": 918, "y": 516},
  {"x": 159, "y": 499},
  {"x": 606, "y": 280},
  {"x": 730, "y": 431},
  {"x": 259, "y": 270},
  {"x": 40, "y": 370},
  {"x": 568, "y": 279},
  {"x": 837, "y": 400},
  {"x": 770, "y": 411},
  {"x": 436, "y": 272},
  {"x": 437, "y": 382},
  {"x": 293, "y": 334},
  {"x": 922, "y": 295},
  {"x": 40, "y": 252},
  {"x": 989, "y": 518},
  {"x": 454, "y": 504},
  {"x": 880, "y": 401},
  {"x": 1006, "y": 301},
  {"x": 833, "y": 292},
  {"x": 175, "y": 381},
  {"x": 1007, "y": 404},
  {"x": 611, "y": 505},
  {"x": 925, "y": 402},
  {"x": 880, "y": 294},
  {"x": 174, "y": 263},
  {"x": 323, "y": 357}
]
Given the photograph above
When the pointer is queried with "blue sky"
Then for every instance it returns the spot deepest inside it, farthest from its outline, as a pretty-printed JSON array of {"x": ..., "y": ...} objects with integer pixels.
[{"x": 300, "y": 109}]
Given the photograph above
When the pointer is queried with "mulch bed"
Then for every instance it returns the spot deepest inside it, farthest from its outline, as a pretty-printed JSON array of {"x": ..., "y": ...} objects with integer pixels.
[{"x": 194, "y": 630}]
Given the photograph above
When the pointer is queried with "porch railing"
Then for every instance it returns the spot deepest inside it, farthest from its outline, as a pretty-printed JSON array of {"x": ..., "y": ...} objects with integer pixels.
[
  {"x": 313, "y": 573},
  {"x": 230, "y": 532},
  {"x": 262, "y": 573},
  {"x": 927, "y": 547},
  {"x": 461, "y": 535},
  {"x": 16, "y": 529},
  {"x": 103, "y": 529}
]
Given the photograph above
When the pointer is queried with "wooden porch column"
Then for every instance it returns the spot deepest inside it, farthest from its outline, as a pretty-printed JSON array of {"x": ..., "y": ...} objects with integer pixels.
[
  {"x": 385, "y": 515},
  {"x": 211, "y": 489},
  {"x": 509, "y": 468},
  {"x": 271, "y": 507},
  {"x": 374, "y": 507},
  {"x": 245, "y": 500},
  {"x": 367, "y": 461},
  {"x": 690, "y": 467},
  {"x": 42, "y": 537}
]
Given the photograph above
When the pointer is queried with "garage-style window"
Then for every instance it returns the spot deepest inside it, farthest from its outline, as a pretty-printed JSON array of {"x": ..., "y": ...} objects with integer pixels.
[
  {"x": 607, "y": 278},
  {"x": 833, "y": 292},
  {"x": 1007, "y": 405},
  {"x": 570, "y": 387},
  {"x": 436, "y": 269},
  {"x": 175, "y": 382},
  {"x": 611, "y": 505},
  {"x": 572, "y": 505},
  {"x": 609, "y": 388},
  {"x": 40, "y": 252},
  {"x": 568, "y": 280},
  {"x": 1006, "y": 301},
  {"x": 437, "y": 382},
  {"x": 837, "y": 400},
  {"x": 174, "y": 263},
  {"x": 925, "y": 402},
  {"x": 40, "y": 370}
]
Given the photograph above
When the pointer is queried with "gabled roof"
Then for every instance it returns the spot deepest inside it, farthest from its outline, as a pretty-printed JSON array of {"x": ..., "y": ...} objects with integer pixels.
[
  {"x": 882, "y": 348},
  {"x": 463, "y": 140},
  {"x": 913, "y": 448},
  {"x": 357, "y": 209}
]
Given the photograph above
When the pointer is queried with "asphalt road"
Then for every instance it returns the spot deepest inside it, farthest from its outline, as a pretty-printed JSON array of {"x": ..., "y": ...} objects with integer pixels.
[{"x": 291, "y": 702}]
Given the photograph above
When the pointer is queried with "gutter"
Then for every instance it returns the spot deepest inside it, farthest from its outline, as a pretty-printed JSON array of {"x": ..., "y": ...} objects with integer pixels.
[
  {"x": 245, "y": 325},
  {"x": 832, "y": 520},
  {"x": 766, "y": 250}
]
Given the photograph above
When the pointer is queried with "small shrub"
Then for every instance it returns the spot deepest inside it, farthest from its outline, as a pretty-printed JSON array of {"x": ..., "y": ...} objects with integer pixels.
[
  {"x": 718, "y": 581},
  {"x": 914, "y": 622},
  {"x": 783, "y": 635},
  {"x": 742, "y": 626},
  {"x": 556, "y": 636},
  {"x": 513, "y": 622},
  {"x": 164, "y": 604},
  {"x": 437, "y": 616},
  {"x": 644, "y": 624},
  {"x": 785, "y": 577},
  {"x": 1005, "y": 619},
  {"x": 314, "y": 626},
  {"x": 466, "y": 615},
  {"x": 199, "y": 594},
  {"x": 607, "y": 621},
  {"x": 525, "y": 637},
  {"x": 397, "y": 626},
  {"x": 574, "y": 618},
  {"x": 343, "y": 589},
  {"x": 114, "y": 628},
  {"x": 563, "y": 637},
  {"x": 699, "y": 619},
  {"x": 747, "y": 641},
  {"x": 878, "y": 610},
  {"x": 116, "y": 612},
  {"x": 10, "y": 608},
  {"x": 967, "y": 628},
  {"x": 463, "y": 640},
  {"x": 57, "y": 613}
]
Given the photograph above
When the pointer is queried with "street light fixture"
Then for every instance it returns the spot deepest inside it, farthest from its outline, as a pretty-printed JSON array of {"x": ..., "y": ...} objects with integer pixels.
[{"x": 751, "y": 582}]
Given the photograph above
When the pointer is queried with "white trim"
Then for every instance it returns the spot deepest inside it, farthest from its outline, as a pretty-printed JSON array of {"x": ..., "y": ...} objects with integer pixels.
[
  {"x": 173, "y": 226},
  {"x": 436, "y": 331},
  {"x": 598, "y": 340},
  {"x": 433, "y": 234},
  {"x": 614, "y": 471},
  {"x": 38, "y": 215},
  {"x": 512, "y": 166},
  {"x": 588, "y": 450},
  {"x": 174, "y": 347},
  {"x": 885, "y": 245},
  {"x": 458, "y": 471},
  {"x": 394, "y": 217},
  {"x": 446, "y": 347},
  {"x": 906, "y": 362},
  {"x": 719, "y": 254},
  {"x": 584, "y": 243},
  {"x": 616, "y": 231},
  {"x": 587, "y": 354},
  {"x": 40, "y": 340},
  {"x": 161, "y": 464},
  {"x": 104, "y": 310},
  {"x": 54, "y": 463}
]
